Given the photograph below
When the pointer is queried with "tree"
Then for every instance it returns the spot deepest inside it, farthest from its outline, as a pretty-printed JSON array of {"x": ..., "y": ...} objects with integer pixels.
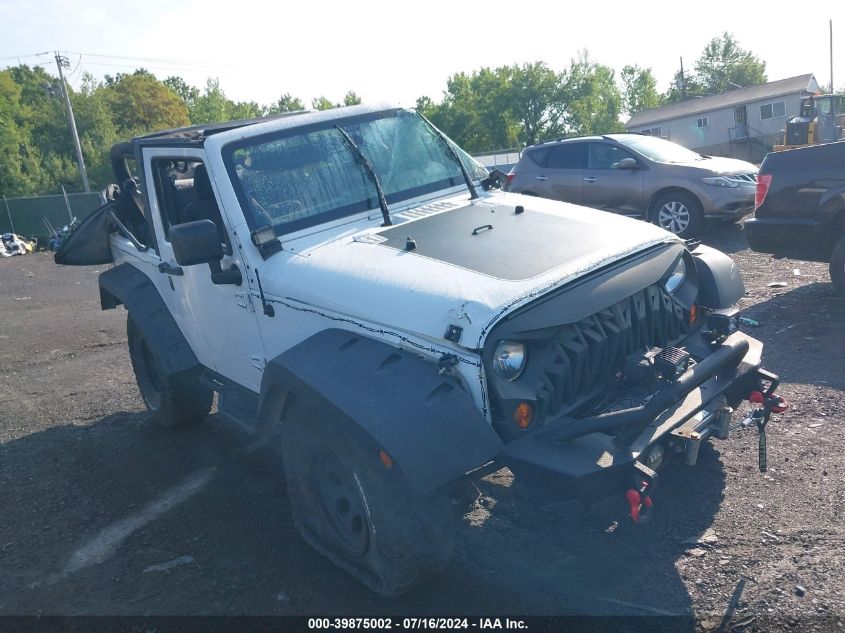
[
  {"x": 321, "y": 103},
  {"x": 639, "y": 89},
  {"x": 425, "y": 106},
  {"x": 244, "y": 110},
  {"x": 725, "y": 66},
  {"x": 211, "y": 106},
  {"x": 97, "y": 127},
  {"x": 536, "y": 101},
  {"x": 139, "y": 103},
  {"x": 683, "y": 87},
  {"x": 593, "y": 101},
  {"x": 351, "y": 98},
  {"x": 286, "y": 103},
  {"x": 187, "y": 93},
  {"x": 20, "y": 172}
]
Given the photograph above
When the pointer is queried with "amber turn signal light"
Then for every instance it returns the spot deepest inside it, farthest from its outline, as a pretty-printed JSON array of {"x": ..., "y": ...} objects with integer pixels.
[
  {"x": 693, "y": 314},
  {"x": 523, "y": 414},
  {"x": 385, "y": 459}
]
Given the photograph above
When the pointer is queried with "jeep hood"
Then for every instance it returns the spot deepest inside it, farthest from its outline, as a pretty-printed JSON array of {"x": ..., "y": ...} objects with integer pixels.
[{"x": 454, "y": 262}]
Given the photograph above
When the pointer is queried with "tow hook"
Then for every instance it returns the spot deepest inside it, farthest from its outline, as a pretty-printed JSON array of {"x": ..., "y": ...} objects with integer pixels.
[
  {"x": 639, "y": 497},
  {"x": 760, "y": 416}
]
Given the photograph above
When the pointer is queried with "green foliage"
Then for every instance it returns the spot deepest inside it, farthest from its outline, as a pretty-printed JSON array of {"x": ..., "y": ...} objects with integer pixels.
[
  {"x": 725, "y": 66},
  {"x": 722, "y": 66},
  {"x": 211, "y": 106},
  {"x": 351, "y": 98},
  {"x": 522, "y": 104},
  {"x": 16, "y": 148},
  {"x": 188, "y": 94},
  {"x": 639, "y": 89},
  {"x": 140, "y": 103},
  {"x": 592, "y": 96},
  {"x": 286, "y": 103},
  {"x": 321, "y": 103}
]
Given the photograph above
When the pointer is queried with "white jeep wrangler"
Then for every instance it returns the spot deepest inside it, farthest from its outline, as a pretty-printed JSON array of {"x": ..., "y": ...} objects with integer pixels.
[{"x": 357, "y": 289}]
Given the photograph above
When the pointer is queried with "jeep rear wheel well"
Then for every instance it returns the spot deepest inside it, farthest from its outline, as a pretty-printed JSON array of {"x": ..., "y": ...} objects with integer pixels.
[{"x": 126, "y": 285}]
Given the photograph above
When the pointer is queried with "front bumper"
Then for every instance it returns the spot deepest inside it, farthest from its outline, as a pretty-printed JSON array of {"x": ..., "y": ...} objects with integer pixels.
[
  {"x": 726, "y": 203},
  {"x": 559, "y": 461}
]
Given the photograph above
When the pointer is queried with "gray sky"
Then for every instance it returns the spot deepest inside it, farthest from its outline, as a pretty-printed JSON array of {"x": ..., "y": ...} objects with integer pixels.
[{"x": 397, "y": 51}]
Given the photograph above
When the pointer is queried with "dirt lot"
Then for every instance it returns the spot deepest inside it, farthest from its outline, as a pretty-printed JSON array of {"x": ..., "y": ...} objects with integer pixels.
[{"x": 94, "y": 498}]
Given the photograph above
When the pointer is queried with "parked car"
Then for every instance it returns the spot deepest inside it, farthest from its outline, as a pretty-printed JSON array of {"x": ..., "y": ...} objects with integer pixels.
[
  {"x": 800, "y": 207},
  {"x": 361, "y": 294},
  {"x": 641, "y": 176}
]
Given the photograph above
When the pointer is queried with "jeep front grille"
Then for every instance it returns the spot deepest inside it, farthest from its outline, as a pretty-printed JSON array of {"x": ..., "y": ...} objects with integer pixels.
[{"x": 584, "y": 356}]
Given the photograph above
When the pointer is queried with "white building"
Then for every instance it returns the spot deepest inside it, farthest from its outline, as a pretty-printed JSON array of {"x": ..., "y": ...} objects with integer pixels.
[{"x": 743, "y": 123}]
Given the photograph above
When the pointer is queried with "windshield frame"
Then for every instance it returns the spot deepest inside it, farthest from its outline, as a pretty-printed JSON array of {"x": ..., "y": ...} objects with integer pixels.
[{"x": 349, "y": 212}]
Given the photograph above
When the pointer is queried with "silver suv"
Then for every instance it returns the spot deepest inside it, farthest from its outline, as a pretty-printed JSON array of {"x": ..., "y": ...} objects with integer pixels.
[{"x": 641, "y": 176}]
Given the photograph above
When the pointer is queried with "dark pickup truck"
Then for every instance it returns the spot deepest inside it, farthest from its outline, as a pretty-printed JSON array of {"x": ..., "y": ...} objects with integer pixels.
[{"x": 800, "y": 207}]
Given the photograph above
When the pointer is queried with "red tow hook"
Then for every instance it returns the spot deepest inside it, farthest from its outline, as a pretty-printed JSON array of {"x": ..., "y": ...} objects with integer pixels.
[
  {"x": 640, "y": 506},
  {"x": 639, "y": 497},
  {"x": 775, "y": 404},
  {"x": 760, "y": 416}
]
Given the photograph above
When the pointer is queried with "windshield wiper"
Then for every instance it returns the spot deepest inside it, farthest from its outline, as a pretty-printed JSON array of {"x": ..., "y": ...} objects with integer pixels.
[
  {"x": 473, "y": 194},
  {"x": 362, "y": 160}
]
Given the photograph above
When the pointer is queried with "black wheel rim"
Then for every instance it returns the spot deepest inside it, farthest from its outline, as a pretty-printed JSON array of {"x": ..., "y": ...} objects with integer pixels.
[
  {"x": 152, "y": 392},
  {"x": 340, "y": 500}
]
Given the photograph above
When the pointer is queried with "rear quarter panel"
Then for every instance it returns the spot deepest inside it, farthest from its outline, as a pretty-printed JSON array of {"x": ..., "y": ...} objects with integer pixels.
[{"x": 807, "y": 183}]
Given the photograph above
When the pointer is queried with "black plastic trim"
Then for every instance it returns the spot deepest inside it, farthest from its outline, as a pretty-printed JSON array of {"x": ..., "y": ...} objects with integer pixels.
[
  {"x": 126, "y": 285},
  {"x": 395, "y": 400}
]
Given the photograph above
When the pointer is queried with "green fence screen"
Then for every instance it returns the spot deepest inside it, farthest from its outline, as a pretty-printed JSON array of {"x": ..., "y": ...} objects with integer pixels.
[{"x": 27, "y": 214}]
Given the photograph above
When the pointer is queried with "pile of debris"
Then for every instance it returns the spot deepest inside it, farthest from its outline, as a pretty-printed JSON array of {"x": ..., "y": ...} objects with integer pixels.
[{"x": 14, "y": 244}]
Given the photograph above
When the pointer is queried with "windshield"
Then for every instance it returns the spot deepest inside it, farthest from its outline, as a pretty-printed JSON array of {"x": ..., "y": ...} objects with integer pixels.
[
  {"x": 295, "y": 179},
  {"x": 659, "y": 150}
]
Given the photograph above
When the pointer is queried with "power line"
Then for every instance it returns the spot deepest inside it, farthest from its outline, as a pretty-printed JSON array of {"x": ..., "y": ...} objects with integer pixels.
[
  {"x": 145, "y": 59},
  {"x": 25, "y": 56},
  {"x": 208, "y": 69},
  {"x": 45, "y": 64}
]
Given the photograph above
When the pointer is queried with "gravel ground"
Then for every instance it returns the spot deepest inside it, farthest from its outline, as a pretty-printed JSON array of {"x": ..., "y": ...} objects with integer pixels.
[{"x": 105, "y": 513}]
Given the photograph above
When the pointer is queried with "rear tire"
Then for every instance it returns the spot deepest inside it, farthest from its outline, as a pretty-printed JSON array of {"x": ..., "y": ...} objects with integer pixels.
[
  {"x": 359, "y": 514},
  {"x": 837, "y": 266},
  {"x": 175, "y": 400},
  {"x": 678, "y": 212}
]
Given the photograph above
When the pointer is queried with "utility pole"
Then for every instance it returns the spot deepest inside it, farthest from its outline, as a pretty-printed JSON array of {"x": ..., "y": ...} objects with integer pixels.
[
  {"x": 831, "y": 57},
  {"x": 62, "y": 62},
  {"x": 683, "y": 81}
]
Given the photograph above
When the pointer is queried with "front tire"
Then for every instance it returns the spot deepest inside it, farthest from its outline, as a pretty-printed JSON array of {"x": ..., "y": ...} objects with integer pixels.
[
  {"x": 175, "y": 400},
  {"x": 837, "y": 266},
  {"x": 358, "y": 513},
  {"x": 679, "y": 213}
]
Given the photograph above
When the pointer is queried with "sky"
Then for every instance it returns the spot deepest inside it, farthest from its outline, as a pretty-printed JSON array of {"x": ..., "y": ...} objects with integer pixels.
[{"x": 397, "y": 51}]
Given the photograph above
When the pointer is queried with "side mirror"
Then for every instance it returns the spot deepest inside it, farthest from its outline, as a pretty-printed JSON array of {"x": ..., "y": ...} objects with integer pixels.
[
  {"x": 628, "y": 163},
  {"x": 497, "y": 178},
  {"x": 196, "y": 243},
  {"x": 199, "y": 243}
]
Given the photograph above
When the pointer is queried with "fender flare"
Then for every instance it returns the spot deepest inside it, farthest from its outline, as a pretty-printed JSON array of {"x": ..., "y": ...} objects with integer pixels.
[
  {"x": 126, "y": 285},
  {"x": 719, "y": 279},
  {"x": 426, "y": 422}
]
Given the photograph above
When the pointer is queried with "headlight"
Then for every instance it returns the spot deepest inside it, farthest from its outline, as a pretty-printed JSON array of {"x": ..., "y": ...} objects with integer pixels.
[
  {"x": 676, "y": 279},
  {"x": 509, "y": 359},
  {"x": 721, "y": 181}
]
